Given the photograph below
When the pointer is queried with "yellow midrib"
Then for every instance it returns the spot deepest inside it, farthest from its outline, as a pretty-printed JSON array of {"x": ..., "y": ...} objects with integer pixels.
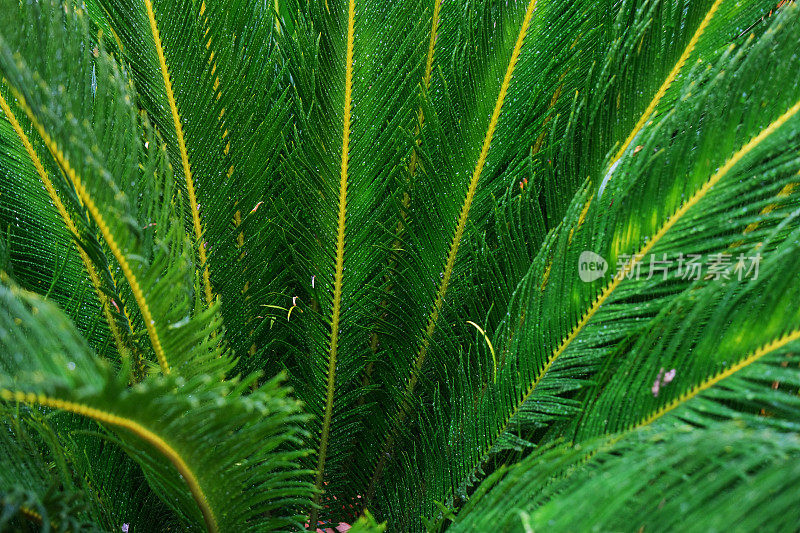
[
  {"x": 465, "y": 208},
  {"x": 432, "y": 43},
  {"x": 337, "y": 284},
  {"x": 754, "y": 356},
  {"x": 668, "y": 81},
  {"x": 237, "y": 218},
  {"x": 637, "y": 128},
  {"x": 637, "y": 257},
  {"x": 187, "y": 171},
  {"x": 105, "y": 231},
  {"x": 426, "y": 80},
  {"x": 454, "y": 245},
  {"x": 33, "y": 515},
  {"x": 662, "y": 90},
  {"x": 51, "y": 191},
  {"x": 775, "y": 344},
  {"x": 134, "y": 427}
]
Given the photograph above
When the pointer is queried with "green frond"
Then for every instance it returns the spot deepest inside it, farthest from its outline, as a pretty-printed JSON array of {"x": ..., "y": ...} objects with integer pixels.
[
  {"x": 341, "y": 205},
  {"x": 128, "y": 194},
  {"x": 676, "y": 479},
  {"x": 504, "y": 252},
  {"x": 165, "y": 423},
  {"x": 29, "y": 493},
  {"x": 54, "y": 268},
  {"x": 464, "y": 144},
  {"x": 715, "y": 361},
  {"x": 219, "y": 103},
  {"x": 60, "y": 473},
  {"x": 558, "y": 329}
]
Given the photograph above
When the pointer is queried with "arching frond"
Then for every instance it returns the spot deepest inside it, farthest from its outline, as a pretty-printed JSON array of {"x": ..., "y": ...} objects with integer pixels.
[
  {"x": 128, "y": 195},
  {"x": 502, "y": 251},
  {"x": 219, "y": 103},
  {"x": 667, "y": 198},
  {"x": 51, "y": 269},
  {"x": 344, "y": 175},
  {"x": 688, "y": 480},
  {"x": 167, "y": 425}
]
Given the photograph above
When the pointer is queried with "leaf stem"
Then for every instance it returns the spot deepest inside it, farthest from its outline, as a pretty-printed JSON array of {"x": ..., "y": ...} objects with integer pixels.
[{"x": 338, "y": 276}]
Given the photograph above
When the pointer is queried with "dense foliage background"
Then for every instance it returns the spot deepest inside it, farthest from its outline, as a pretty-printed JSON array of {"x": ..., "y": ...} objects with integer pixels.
[{"x": 472, "y": 265}]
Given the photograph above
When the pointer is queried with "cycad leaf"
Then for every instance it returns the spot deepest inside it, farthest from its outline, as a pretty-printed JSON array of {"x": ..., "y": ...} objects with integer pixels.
[
  {"x": 707, "y": 480},
  {"x": 558, "y": 328},
  {"x": 344, "y": 177},
  {"x": 29, "y": 492},
  {"x": 58, "y": 474},
  {"x": 121, "y": 175},
  {"x": 473, "y": 126},
  {"x": 212, "y": 84},
  {"x": 701, "y": 359},
  {"x": 683, "y": 222},
  {"x": 31, "y": 200},
  {"x": 686, "y": 219},
  {"x": 168, "y": 425}
]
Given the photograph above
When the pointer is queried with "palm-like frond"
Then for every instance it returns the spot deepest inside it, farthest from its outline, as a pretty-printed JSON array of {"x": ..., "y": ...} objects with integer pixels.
[
  {"x": 168, "y": 424},
  {"x": 128, "y": 194},
  {"x": 28, "y": 491},
  {"x": 219, "y": 102},
  {"x": 473, "y": 129},
  {"x": 49, "y": 480},
  {"x": 50, "y": 269},
  {"x": 349, "y": 144},
  {"x": 557, "y": 327},
  {"x": 737, "y": 372},
  {"x": 391, "y": 203},
  {"x": 680, "y": 479}
]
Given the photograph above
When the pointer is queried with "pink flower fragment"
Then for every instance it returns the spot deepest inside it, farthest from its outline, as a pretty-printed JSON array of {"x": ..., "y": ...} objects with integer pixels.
[
  {"x": 658, "y": 383},
  {"x": 341, "y": 528}
]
